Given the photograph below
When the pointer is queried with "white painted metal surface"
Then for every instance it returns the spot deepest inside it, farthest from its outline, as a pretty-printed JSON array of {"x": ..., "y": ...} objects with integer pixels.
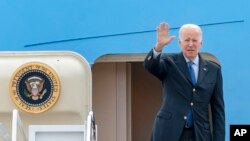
[
  {"x": 56, "y": 133},
  {"x": 71, "y": 110}
]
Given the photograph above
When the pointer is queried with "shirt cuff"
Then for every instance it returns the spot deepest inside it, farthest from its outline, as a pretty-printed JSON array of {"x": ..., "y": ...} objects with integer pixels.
[{"x": 155, "y": 53}]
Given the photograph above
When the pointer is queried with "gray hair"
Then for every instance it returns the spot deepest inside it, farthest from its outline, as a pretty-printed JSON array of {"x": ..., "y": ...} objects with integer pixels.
[{"x": 194, "y": 26}]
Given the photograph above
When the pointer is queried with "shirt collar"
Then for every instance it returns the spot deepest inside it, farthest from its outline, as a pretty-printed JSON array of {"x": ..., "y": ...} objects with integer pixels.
[{"x": 195, "y": 61}]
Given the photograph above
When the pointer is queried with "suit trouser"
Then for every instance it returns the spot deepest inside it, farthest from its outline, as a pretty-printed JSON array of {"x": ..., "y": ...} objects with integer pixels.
[{"x": 187, "y": 134}]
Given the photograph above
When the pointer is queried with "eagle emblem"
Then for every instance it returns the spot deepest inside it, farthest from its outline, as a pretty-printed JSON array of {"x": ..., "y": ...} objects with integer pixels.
[{"x": 34, "y": 88}]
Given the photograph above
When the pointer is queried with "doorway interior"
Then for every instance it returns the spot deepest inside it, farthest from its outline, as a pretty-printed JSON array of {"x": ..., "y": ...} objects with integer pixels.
[{"x": 125, "y": 99}]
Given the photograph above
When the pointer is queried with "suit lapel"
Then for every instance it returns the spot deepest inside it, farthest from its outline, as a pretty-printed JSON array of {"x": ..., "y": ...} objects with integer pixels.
[
  {"x": 202, "y": 70},
  {"x": 182, "y": 65}
]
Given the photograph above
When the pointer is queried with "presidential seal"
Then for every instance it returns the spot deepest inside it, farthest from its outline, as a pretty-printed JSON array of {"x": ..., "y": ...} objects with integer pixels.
[{"x": 34, "y": 87}]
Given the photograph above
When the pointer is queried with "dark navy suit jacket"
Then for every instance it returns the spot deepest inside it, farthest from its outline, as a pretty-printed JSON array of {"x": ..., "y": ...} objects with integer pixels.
[{"x": 180, "y": 95}]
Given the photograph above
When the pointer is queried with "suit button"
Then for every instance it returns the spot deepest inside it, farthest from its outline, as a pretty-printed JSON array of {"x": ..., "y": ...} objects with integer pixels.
[
  {"x": 192, "y": 104},
  {"x": 185, "y": 117},
  {"x": 194, "y": 89}
]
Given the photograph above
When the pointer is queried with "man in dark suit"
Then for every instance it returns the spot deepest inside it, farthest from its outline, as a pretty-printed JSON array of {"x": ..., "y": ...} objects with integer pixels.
[{"x": 190, "y": 84}]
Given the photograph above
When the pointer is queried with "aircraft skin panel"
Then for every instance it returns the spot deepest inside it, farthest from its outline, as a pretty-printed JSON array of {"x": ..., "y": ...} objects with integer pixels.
[
  {"x": 96, "y": 28},
  {"x": 74, "y": 82}
]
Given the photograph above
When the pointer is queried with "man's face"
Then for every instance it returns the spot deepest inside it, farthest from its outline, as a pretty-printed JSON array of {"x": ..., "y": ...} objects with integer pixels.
[{"x": 190, "y": 42}]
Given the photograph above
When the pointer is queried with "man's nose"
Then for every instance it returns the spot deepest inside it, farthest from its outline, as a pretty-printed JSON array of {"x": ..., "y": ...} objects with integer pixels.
[{"x": 190, "y": 43}]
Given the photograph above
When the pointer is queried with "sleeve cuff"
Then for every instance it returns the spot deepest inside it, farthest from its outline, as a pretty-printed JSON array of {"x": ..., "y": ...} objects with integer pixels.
[{"x": 155, "y": 53}]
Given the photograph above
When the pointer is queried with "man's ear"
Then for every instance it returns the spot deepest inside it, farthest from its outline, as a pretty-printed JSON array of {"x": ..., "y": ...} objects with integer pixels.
[{"x": 179, "y": 43}]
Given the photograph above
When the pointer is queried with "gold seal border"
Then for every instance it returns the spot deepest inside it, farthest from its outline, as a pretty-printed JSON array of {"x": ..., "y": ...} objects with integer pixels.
[{"x": 35, "y": 66}]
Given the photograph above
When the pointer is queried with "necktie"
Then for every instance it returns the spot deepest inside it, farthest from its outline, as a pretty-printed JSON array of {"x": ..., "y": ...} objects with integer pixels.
[
  {"x": 191, "y": 72},
  {"x": 189, "y": 121}
]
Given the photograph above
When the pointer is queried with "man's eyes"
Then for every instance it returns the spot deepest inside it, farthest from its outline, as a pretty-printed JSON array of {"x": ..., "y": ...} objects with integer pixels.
[{"x": 191, "y": 40}]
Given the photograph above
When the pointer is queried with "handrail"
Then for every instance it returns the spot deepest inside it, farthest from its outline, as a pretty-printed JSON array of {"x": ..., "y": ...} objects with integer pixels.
[
  {"x": 91, "y": 133},
  {"x": 17, "y": 125}
]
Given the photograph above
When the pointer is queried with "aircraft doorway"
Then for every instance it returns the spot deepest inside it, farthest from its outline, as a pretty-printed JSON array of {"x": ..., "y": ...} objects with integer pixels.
[
  {"x": 125, "y": 100},
  {"x": 146, "y": 99}
]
